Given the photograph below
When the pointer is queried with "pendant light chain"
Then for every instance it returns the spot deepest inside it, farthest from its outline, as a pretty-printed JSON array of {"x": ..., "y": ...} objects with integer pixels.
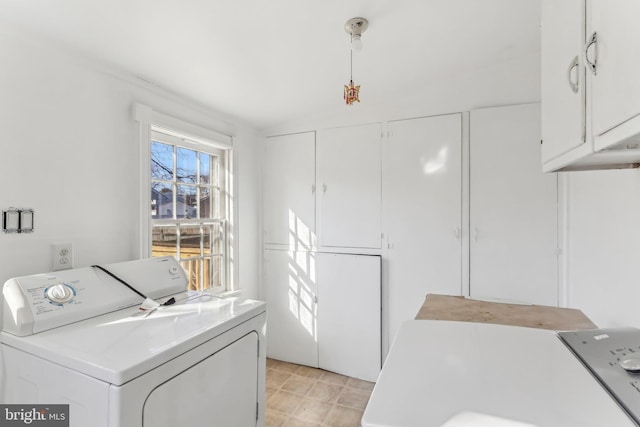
[{"x": 351, "y": 62}]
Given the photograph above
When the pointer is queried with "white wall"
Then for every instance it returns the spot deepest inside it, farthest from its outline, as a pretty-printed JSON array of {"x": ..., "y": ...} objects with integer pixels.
[
  {"x": 603, "y": 258},
  {"x": 69, "y": 151},
  {"x": 513, "y": 82}
]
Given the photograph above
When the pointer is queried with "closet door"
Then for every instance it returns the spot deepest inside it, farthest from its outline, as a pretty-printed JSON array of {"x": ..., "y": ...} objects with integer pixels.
[
  {"x": 513, "y": 208},
  {"x": 291, "y": 290},
  {"x": 289, "y": 191},
  {"x": 349, "y": 314},
  {"x": 422, "y": 213},
  {"x": 348, "y": 162}
]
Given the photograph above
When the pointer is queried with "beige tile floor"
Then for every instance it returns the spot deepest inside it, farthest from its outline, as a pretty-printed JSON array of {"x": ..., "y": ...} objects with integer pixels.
[{"x": 302, "y": 396}]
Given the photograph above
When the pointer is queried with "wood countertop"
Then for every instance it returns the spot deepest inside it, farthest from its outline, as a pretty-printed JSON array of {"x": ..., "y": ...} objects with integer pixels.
[{"x": 446, "y": 307}]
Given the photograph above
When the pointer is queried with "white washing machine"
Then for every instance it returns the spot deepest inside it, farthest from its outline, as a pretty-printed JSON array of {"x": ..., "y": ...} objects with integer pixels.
[
  {"x": 78, "y": 337},
  {"x": 459, "y": 374}
]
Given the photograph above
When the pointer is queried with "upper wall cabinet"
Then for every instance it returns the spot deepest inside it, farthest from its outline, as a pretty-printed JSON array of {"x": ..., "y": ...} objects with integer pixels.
[
  {"x": 289, "y": 191},
  {"x": 348, "y": 180},
  {"x": 590, "y": 84}
]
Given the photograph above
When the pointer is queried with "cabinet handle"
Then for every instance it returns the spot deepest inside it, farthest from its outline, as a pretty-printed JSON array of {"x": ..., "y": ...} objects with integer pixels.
[
  {"x": 572, "y": 66},
  {"x": 475, "y": 233},
  {"x": 457, "y": 232},
  {"x": 324, "y": 188},
  {"x": 592, "y": 65},
  {"x": 313, "y": 189}
]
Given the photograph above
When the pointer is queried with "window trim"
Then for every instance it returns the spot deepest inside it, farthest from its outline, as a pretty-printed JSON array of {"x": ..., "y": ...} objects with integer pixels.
[{"x": 150, "y": 120}]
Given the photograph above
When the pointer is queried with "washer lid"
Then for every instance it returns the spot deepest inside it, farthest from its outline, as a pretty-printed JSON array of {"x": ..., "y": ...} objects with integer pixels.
[
  {"x": 120, "y": 346},
  {"x": 438, "y": 371}
]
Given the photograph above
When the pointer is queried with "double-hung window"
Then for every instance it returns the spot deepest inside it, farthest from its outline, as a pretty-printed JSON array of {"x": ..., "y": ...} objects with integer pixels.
[{"x": 190, "y": 207}]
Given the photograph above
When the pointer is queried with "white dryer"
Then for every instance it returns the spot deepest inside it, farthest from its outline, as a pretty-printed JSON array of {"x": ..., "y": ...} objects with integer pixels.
[{"x": 78, "y": 337}]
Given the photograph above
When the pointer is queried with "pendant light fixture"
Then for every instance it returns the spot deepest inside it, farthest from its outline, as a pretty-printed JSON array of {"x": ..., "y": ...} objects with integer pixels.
[{"x": 355, "y": 27}]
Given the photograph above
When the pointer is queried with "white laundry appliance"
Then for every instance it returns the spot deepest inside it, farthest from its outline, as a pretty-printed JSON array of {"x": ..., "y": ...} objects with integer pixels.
[
  {"x": 78, "y": 337},
  {"x": 463, "y": 374}
]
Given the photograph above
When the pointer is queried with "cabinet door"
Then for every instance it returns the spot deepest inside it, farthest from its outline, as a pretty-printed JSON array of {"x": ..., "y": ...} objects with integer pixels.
[
  {"x": 348, "y": 162},
  {"x": 290, "y": 287},
  {"x": 422, "y": 213},
  {"x": 562, "y": 77},
  {"x": 513, "y": 208},
  {"x": 349, "y": 314},
  {"x": 288, "y": 191},
  {"x": 615, "y": 87}
]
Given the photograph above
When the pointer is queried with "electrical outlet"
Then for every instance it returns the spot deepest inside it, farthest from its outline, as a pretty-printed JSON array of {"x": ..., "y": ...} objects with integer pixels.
[{"x": 62, "y": 258}]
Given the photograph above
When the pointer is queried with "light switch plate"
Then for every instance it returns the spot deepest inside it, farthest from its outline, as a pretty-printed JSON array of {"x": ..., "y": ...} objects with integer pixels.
[{"x": 10, "y": 221}]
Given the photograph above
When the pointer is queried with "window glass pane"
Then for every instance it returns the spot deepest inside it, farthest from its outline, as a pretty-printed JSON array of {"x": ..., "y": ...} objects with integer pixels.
[
  {"x": 217, "y": 271},
  {"x": 206, "y": 263},
  {"x": 192, "y": 269},
  {"x": 161, "y": 200},
  {"x": 213, "y": 239},
  {"x": 215, "y": 203},
  {"x": 189, "y": 241},
  {"x": 161, "y": 161},
  {"x": 186, "y": 202},
  {"x": 205, "y": 168},
  {"x": 187, "y": 209},
  {"x": 163, "y": 241},
  {"x": 186, "y": 165},
  {"x": 215, "y": 170},
  {"x": 205, "y": 202},
  {"x": 213, "y": 271}
]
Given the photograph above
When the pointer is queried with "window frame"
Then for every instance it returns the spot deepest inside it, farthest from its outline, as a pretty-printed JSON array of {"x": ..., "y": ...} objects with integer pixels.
[{"x": 196, "y": 138}]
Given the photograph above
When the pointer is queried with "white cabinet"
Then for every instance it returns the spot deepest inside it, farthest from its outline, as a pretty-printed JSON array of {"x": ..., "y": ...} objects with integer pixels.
[
  {"x": 346, "y": 190},
  {"x": 348, "y": 172},
  {"x": 422, "y": 214},
  {"x": 513, "y": 208},
  {"x": 289, "y": 191},
  {"x": 324, "y": 311},
  {"x": 291, "y": 292},
  {"x": 613, "y": 91},
  {"x": 590, "y": 85},
  {"x": 349, "y": 339},
  {"x": 562, "y": 78}
]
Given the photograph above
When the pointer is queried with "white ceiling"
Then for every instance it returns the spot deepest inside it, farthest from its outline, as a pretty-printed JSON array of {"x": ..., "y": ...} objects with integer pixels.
[{"x": 270, "y": 61}]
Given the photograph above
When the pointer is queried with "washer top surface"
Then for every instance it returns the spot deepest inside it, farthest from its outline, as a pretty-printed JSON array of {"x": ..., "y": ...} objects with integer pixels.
[
  {"x": 438, "y": 372},
  {"x": 122, "y": 345}
]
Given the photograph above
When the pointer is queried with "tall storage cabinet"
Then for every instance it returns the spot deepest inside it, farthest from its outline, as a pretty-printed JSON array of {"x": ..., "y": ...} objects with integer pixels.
[
  {"x": 348, "y": 169},
  {"x": 422, "y": 213},
  {"x": 324, "y": 311},
  {"x": 289, "y": 191},
  {"x": 349, "y": 314},
  {"x": 513, "y": 208},
  {"x": 590, "y": 85},
  {"x": 291, "y": 295},
  {"x": 324, "y": 293},
  {"x": 453, "y": 204}
]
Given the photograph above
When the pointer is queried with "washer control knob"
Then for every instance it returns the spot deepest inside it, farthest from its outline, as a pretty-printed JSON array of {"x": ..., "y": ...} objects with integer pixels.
[
  {"x": 173, "y": 270},
  {"x": 60, "y": 293}
]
